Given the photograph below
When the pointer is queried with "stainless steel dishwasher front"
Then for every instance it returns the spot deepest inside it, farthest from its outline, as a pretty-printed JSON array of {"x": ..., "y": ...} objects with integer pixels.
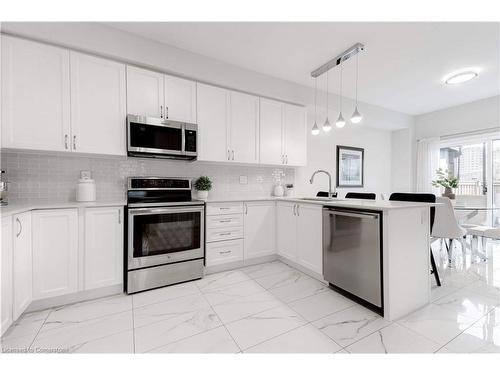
[{"x": 352, "y": 260}]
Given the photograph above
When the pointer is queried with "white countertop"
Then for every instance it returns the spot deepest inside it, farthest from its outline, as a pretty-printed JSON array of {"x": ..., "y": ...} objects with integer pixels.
[
  {"x": 379, "y": 205},
  {"x": 16, "y": 208}
]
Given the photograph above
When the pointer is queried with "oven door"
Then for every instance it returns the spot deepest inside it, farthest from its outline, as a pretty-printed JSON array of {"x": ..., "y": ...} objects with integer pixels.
[{"x": 164, "y": 235}]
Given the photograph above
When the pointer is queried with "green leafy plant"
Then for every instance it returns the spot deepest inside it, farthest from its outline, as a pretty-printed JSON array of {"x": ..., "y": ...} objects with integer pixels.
[
  {"x": 445, "y": 179},
  {"x": 203, "y": 183}
]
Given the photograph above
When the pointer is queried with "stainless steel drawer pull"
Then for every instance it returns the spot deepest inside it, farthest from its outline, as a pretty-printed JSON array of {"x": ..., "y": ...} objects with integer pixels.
[
  {"x": 74, "y": 142},
  {"x": 66, "y": 141},
  {"x": 225, "y": 221},
  {"x": 225, "y": 252},
  {"x": 224, "y": 208},
  {"x": 225, "y": 234}
]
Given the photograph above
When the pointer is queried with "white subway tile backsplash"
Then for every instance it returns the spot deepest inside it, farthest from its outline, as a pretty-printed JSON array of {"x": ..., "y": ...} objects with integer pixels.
[{"x": 53, "y": 177}]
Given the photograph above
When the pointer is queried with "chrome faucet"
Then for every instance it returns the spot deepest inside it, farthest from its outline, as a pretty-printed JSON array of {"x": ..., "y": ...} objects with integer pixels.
[{"x": 330, "y": 193}]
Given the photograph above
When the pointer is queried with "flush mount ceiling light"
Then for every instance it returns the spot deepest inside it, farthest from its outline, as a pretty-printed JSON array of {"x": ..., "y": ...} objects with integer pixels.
[
  {"x": 338, "y": 60},
  {"x": 461, "y": 76}
]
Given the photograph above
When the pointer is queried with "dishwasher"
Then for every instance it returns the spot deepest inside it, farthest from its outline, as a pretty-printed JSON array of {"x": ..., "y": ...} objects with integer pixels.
[{"x": 352, "y": 255}]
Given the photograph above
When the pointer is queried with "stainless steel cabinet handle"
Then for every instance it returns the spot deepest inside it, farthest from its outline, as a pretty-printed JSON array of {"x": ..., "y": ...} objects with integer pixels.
[
  {"x": 246, "y": 208},
  {"x": 225, "y": 252},
  {"x": 161, "y": 111},
  {"x": 166, "y": 111},
  {"x": 74, "y": 142},
  {"x": 294, "y": 209},
  {"x": 298, "y": 211},
  {"x": 228, "y": 154},
  {"x": 66, "y": 141},
  {"x": 20, "y": 227},
  {"x": 223, "y": 208},
  {"x": 225, "y": 221},
  {"x": 225, "y": 234},
  {"x": 233, "y": 154},
  {"x": 353, "y": 214},
  {"x": 119, "y": 216},
  {"x": 286, "y": 159}
]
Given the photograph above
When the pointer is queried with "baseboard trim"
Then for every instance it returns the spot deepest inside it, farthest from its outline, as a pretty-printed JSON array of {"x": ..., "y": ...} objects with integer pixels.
[{"x": 240, "y": 264}]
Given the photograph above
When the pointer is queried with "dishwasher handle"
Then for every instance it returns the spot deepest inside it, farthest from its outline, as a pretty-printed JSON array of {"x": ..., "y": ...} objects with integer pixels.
[{"x": 359, "y": 215}]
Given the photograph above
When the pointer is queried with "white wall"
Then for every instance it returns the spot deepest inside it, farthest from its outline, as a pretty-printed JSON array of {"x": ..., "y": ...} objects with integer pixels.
[
  {"x": 478, "y": 115},
  {"x": 374, "y": 133},
  {"x": 402, "y": 159}
]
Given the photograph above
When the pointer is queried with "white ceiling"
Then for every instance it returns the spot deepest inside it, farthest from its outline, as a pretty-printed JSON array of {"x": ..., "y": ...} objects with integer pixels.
[{"x": 401, "y": 68}]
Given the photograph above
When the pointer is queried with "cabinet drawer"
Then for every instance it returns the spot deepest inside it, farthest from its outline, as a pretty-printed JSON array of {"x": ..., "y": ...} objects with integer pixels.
[
  {"x": 224, "y": 208},
  {"x": 225, "y": 221},
  {"x": 221, "y": 234},
  {"x": 224, "y": 252}
]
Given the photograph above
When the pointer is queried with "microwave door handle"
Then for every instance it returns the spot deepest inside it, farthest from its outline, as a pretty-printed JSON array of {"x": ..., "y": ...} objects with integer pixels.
[{"x": 183, "y": 135}]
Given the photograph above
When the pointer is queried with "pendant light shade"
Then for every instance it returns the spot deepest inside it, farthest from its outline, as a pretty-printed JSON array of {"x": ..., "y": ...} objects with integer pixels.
[
  {"x": 315, "y": 129},
  {"x": 356, "y": 116},
  {"x": 327, "y": 126},
  {"x": 340, "y": 123}
]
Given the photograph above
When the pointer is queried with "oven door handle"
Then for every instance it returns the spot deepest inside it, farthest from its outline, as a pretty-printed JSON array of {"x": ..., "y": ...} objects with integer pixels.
[{"x": 147, "y": 211}]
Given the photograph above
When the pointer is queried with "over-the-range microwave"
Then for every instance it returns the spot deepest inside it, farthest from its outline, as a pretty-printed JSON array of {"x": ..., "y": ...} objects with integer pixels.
[{"x": 160, "y": 138}]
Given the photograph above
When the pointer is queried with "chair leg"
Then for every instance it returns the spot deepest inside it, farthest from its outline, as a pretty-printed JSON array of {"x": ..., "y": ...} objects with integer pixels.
[
  {"x": 449, "y": 249},
  {"x": 435, "y": 270}
]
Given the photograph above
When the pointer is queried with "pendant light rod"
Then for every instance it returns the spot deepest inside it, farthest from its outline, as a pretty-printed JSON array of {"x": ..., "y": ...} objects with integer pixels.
[{"x": 346, "y": 55}]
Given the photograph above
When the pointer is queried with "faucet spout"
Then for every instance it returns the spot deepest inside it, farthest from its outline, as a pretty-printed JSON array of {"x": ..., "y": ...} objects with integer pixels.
[{"x": 311, "y": 180}]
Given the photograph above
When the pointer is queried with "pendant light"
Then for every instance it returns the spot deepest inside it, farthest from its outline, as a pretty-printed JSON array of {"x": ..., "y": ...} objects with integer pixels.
[
  {"x": 356, "y": 116},
  {"x": 315, "y": 129},
  {"x": 326, "y": 126},
  {"x": 340, "y": 121}
]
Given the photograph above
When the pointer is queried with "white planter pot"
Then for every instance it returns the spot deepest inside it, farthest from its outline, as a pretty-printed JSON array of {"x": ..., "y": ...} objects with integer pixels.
[{"x": 202, "y": 195}]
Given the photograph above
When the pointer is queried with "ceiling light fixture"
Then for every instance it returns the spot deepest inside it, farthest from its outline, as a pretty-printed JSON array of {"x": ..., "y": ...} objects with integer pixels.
[
  {"x": 461, "y": 76},
  {"x": 356, "y": 116},
  {"x": 340, "y": 123},
  {"x": 315, "y": 129},
  {"x": 327, "y": 126}
]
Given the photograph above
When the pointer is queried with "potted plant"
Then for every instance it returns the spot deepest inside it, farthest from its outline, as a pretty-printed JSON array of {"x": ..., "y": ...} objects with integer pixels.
[
  {"x": 448, "y": 181},
  {"x": 203, "y": 185}
]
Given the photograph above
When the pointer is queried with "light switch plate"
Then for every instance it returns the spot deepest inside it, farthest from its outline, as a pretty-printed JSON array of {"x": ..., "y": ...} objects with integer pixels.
[{"x": 243, "y": 180}]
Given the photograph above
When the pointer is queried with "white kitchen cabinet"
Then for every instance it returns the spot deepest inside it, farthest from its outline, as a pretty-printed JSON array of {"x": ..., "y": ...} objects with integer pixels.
[
  {"x": 286, "y": 227},
  {"x": 310, "y": 237},
  {"x": 98, "y": 105},
  {"x": 103, "y": 247},
  {"x": 299, "y": 234},
  {"x": 295, "y": 135},
  {"x": 180, "y": 99},
  {"x": 55, "y": 252},
  {"x": 243, "y": 127},
  {"x": 6, "y": 275},
  {"x": 224, "y": 252},
  {"x": 35, "y": 96},
  {"x": 22, "y": 264},
  {"x": 259, "y": 225},
  {"x": 145, "y": 92},
  {"x": 271, "y": 132},
  {"x": 212, "y": 115}
]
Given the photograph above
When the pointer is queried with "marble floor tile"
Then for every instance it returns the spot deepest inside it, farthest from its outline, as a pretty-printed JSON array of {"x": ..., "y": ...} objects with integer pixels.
[
  {"x": 165, "y": 294},
  {"x": 91, "y": 309},
  {"x": 242, "y": 307},
  {"x": 438, "y": 292},
  {"x": 263, "y": 326},
  {"x": 305, "y": 339},
  {"x": 476, "y": 339},
  {"x": 66, "y": 334},
  {"x": 23, "y": 332},
  {"x": 266, "y": 269},
  {"x": 350, "y": 325},
  {"x": 169, "y": 309},
  {"x": 468, "y": 303},
  {"x": 216, "y": 340},
  {"x": 490, "y": 288},
  {"x": 122, "y": 342},
  {"x": 218, "y": 280},
  {"x": 320, "y": 305},
  {"x": 163, "y": 332},
  {"x": 280, "y": 279},
  {"x": 393, "y": 339},
  {"x": 233, "y": 291},
  {"x": 437, "y": 323}
]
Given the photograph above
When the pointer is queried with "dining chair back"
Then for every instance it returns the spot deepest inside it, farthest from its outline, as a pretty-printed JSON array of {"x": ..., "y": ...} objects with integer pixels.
[
  {"x": 361, "y": 195},
  {"x": 445, "y": 222}
]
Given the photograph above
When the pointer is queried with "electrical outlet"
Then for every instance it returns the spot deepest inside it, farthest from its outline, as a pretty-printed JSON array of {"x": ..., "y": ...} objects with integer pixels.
[
  {"x": 85, "y": 175},
  {"x": 259, "y": 179},
  {"x": 243, "y": 180}
]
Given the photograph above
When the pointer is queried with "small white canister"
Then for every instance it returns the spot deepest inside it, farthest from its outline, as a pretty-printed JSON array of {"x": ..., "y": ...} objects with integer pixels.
[{"x": 85, "y": 191}]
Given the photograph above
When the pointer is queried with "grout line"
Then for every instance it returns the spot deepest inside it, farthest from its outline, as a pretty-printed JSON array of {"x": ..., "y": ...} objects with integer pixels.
[
  {"x": 39, "y": 329},
  {"x": 133, "y": 324}
]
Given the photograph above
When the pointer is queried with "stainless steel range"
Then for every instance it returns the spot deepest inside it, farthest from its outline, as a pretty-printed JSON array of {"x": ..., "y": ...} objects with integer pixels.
[{"x": 165, "y": 233}]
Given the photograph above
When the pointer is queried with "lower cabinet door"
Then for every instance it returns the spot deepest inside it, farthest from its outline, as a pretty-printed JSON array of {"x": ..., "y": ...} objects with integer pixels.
[
  {"x": 23, "y": 269},
  {"x": 310, "y": 237},
  {"x": 286, "y": 222},
  {"x": 224, "y": 252},
  {"x": 103, "y": 247},
  {"x": 259, "y": 223},
  {"x": 6, "y": 275},
  {"x": 55, "y": 252}
]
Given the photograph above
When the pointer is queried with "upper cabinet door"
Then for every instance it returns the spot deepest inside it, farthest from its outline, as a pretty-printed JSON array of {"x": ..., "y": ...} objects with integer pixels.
[
  {"x": 98, "y": 105},
  {"x": 180, "y": 99},
  {"x": 244, "y": 127},
  {"x": 35, "y": 96},
  {"x": 145, "y": 96},
  {"x": 295, "y": 135},
  {"x": 212, "y": 123},
  {"x": 271, "y": 130}
]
